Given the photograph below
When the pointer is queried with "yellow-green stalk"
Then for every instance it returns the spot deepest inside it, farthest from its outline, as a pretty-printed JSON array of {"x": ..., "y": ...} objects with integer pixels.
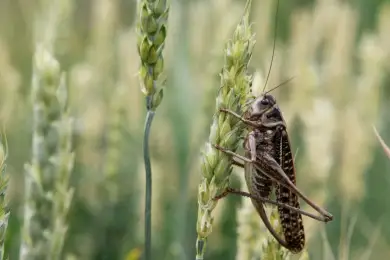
[
  {"x": 304, "y": 255},
  {"x": 385, "y": 147},
  {"x": 271, "y": 249},
  {"x": 254, "y": 240},
  {"x": 225, "y": 130},
  {"x": 47, "y": 196},
  {"x": 4, "y": 210},
  {"x": 151, "y": 28},
  {"x": 249, "y": 232}
]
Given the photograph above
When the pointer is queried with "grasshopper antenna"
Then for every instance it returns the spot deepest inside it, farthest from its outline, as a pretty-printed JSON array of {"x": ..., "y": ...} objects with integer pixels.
[
  {"x": 274, "y": 44},
  {"x": 281, "y": 84}
]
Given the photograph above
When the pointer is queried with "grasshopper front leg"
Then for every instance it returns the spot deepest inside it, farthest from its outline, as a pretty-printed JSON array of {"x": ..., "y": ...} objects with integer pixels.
[
  {"x": 255, "y": 124},
  {"x": 246, "y": 121}
]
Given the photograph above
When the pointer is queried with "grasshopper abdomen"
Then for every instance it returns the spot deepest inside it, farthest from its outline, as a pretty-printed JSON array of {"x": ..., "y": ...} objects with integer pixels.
[{"x": 291, "y": 221}]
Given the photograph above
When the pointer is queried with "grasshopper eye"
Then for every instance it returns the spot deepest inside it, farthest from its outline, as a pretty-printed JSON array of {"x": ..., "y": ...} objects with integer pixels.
[{"x": 264, "y": 102}]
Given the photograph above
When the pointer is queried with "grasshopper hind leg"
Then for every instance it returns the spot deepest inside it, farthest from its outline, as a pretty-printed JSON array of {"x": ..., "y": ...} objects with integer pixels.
[
  {"x": 265, "y": 200},
  {"x": 236, "y": 157},
  {"x": 259, "y": 205},
  {"x": 275, "y": 172}
]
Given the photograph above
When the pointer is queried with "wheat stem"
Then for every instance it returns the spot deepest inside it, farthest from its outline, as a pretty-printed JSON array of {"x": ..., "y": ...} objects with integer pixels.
[
  {"x": 148, "y": 194},
  {"x": 4, "y": 210}
]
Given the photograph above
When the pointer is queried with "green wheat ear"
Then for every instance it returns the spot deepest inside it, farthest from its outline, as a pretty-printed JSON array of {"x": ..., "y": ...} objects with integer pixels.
[
  {"x": 152, "y": 31},
  {"x": 47, "y": 195},
  {"x": 225, "y": 130},
  {"x": 39, "y": 177}
]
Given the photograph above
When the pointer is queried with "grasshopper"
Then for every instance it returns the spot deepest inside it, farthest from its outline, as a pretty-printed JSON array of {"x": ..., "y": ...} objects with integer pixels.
[{"x": 269, "y": 163}]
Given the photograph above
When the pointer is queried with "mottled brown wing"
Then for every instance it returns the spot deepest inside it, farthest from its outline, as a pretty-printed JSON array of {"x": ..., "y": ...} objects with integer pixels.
[{"x": 291, "y": 221}]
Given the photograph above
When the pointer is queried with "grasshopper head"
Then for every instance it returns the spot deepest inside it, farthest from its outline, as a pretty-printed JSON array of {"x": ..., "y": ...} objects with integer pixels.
[{"x": 261, "y": 105}]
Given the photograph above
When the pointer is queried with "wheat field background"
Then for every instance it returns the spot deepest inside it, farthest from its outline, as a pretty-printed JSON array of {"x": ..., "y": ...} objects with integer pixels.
[{"x": 339, "y": 55}]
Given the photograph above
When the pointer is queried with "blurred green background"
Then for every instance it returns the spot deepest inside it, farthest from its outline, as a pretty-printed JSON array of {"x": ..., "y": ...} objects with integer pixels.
[{"x": 339, "y": 53}]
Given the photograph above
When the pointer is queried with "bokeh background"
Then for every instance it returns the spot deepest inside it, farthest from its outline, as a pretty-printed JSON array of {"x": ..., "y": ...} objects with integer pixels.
[{"x": 339, "y": 55}]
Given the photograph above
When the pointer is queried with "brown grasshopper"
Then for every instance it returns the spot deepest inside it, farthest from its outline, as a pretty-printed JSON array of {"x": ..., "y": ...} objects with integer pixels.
[{"x": 269, "y": 163}]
